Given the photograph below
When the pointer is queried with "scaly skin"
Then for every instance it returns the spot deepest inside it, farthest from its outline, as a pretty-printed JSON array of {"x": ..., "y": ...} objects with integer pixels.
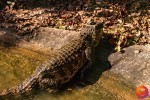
[{"x": 61, "y": 68}]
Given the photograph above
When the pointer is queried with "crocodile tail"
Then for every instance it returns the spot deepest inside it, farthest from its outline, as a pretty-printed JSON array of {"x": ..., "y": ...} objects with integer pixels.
[
  {"x": 27, "y": 89},
  {"x": 14, "y": 94},
  {"x": 10, "y": 93}
]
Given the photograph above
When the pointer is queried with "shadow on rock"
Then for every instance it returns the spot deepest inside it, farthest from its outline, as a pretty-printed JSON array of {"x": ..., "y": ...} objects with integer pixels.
[{"x": 7, "y": 38}]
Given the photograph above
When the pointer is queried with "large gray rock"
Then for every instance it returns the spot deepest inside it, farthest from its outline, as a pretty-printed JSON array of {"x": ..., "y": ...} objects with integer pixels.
[{"x": 133, "y": 65}]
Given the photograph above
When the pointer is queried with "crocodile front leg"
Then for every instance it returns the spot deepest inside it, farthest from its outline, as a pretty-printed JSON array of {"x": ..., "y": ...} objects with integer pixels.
[{"x": 90, "y": 56}]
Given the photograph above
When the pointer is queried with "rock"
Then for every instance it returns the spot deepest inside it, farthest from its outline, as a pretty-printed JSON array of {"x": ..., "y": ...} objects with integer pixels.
[
  {"x": 133, "y": 64},
  {"x": 49, "y": 39}
]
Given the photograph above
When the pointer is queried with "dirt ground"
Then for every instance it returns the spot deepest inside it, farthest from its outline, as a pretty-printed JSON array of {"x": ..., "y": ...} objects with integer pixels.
[{"x": 126, "y": 22}]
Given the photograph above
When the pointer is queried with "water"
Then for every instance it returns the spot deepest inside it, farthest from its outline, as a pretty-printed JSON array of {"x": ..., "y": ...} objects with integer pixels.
[{"x": 16, "y": 64}]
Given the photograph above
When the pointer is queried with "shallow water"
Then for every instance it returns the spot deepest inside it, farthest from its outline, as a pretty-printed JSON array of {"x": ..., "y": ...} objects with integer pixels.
[
  {"x": 104, "y": 89},
  {"x": 16, "y": 64}
]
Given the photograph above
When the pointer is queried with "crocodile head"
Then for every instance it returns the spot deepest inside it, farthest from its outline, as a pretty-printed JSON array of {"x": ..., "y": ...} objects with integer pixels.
[{"x": 92, "y": 33}]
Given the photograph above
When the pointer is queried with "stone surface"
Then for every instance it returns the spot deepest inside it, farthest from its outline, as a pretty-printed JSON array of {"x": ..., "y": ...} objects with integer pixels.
[
  {"x": 133, "y": 64},
  {"x": 52, "y": 38}
]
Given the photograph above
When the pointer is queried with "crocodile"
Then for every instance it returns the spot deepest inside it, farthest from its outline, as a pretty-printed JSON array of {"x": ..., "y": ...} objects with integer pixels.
[{"x": 76, "y": 55}]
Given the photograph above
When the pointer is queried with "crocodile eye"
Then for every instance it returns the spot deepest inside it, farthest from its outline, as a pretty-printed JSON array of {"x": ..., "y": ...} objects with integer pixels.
[
  {"x": 82, "y": 34},
  {"x": 95, "y": 43}
]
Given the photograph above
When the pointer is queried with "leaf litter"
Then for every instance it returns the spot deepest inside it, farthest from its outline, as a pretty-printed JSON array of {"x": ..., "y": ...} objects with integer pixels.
[{"x": 126, "y": 22}]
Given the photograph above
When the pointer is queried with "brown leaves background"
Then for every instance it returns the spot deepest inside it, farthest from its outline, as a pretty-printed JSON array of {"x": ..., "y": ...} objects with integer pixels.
[{"x": 126, "y": 22}]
